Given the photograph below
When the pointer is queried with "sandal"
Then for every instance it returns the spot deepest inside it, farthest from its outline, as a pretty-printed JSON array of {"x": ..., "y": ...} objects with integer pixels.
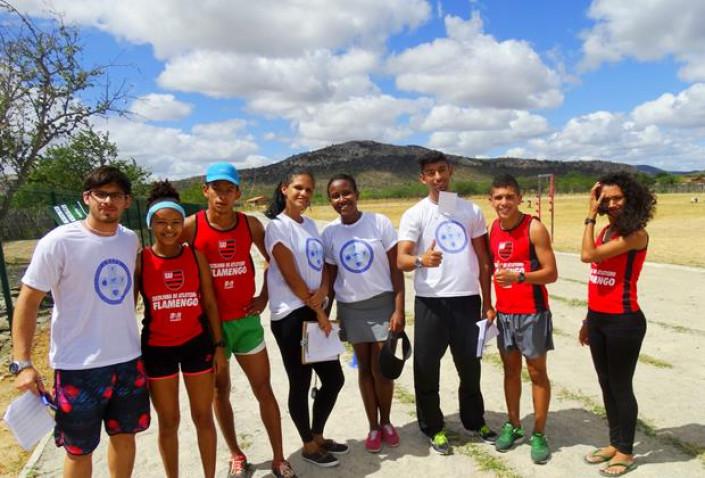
[
  {"x": 597, "y": 456},
  {"x": 626, "y": 468}
]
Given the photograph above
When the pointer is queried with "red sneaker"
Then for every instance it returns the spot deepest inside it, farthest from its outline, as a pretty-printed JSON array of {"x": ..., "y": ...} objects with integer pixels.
[
  {"x": 373, "y": 444},
  {"x": 390, "y": 435}
]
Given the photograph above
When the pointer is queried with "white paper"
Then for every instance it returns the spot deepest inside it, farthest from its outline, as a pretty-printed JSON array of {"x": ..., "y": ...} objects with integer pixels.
[
  {"x": 485, "y": 334},
  {"x": 28, "y": 419},
  {"x": 320, "y": 348},
  {"x": 446, "y": 202}
]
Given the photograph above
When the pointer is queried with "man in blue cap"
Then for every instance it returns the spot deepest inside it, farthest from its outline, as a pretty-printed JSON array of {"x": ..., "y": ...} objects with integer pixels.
[{"x": 225, "y": 237}]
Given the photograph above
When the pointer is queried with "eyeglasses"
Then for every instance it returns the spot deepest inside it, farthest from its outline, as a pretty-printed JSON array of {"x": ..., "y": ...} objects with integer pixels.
[{"x": 103, "y": 195}]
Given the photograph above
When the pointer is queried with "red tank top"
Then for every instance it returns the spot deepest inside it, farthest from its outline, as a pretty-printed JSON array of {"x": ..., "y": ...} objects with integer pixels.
[
  {"x": 612, "y": 284},
  {"x": 232, "y": 269},
  {"x": 512, "y": 249},
  {"x": 171, "y": 289}
]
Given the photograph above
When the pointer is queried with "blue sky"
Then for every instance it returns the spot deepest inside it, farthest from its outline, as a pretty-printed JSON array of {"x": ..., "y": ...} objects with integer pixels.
[{"x": 254, "y": 82}]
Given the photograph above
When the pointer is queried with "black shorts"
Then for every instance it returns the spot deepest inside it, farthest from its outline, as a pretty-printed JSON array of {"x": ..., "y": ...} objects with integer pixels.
[
  {"x": 115, "y": 394},
  {"x": 195, "y": 357}
]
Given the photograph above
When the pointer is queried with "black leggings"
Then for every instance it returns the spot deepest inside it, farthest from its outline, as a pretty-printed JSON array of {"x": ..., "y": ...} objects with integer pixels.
[
  {"x": 287, "y": 332},
  {"x": 615, "y": 342}
]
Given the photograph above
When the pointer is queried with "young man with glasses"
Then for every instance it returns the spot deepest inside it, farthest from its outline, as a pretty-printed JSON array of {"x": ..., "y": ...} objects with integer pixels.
[
  {"x": 448, "y": 251},
  {"x": 95, "y": 348}
]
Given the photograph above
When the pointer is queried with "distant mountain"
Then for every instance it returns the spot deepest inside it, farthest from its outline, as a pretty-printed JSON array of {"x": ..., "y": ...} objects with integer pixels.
[
  {"x": 646, "y": 169},
  {"x": 383, "y": 165},
  {"x": 378, "y": 164}
]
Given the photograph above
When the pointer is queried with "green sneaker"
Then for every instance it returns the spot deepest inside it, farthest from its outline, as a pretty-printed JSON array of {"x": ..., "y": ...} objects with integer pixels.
[
  {"x": 508, "y": 436},
  {"x": 439, "y": 443},
  {"x": 487, "y": 435},
  {"x": 540, "y": 453}
]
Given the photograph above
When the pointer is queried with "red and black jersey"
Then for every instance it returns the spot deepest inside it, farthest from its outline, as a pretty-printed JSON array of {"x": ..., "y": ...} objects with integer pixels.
[
  {"x": 232, "y": 269},
  {"x": 171, "y": 289},
  {"x": 612, "y": 284},
  {"x": 512, "y": 249}
]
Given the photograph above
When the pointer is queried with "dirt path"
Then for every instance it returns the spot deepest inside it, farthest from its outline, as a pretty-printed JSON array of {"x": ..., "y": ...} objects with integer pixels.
[{"x": 669, "y": 383}]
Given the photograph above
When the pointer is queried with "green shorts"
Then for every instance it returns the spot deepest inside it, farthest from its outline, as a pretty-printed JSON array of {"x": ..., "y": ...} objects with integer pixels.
[{"x": 243, "y": 336}]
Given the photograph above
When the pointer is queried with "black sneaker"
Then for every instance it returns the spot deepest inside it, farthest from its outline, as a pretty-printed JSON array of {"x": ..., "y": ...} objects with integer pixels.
[
  {"x": 487, "y": 435},
  {"x": 335, "y": 448},
  {"x": 321, "y": 458}
]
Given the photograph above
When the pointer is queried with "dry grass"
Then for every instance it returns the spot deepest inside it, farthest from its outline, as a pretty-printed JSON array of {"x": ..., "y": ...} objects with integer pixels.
[{"x": 674, "y": 232}]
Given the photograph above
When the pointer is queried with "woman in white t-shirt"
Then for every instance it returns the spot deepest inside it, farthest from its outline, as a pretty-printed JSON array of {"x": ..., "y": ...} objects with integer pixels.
[
  {"x": 361, "y": 255},
  {"x": 297, "y": 290}
]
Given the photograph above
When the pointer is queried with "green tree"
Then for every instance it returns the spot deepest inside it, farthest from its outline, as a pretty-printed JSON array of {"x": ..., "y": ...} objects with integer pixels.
[
  {"x": 62, "y": 168},
  {"x": 44, "y": 94}
]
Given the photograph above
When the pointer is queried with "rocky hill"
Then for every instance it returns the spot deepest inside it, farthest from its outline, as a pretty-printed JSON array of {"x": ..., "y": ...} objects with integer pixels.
[{"x": 383, "y": 165}]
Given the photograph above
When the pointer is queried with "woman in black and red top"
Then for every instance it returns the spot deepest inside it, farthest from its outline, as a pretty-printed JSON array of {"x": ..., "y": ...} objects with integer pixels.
[
  {"x": 180, "y": 328},
  {"x": 615, "y": 325}
]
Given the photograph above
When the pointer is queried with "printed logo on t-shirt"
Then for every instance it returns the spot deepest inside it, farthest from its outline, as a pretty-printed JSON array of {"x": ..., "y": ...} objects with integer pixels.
[
  {"x": 451, "y": 236},
  {"x": 356, "y": 256},
  {"x": 505, "y": 250},
  {"x": 314, "y": 253},
  {"x": 226, "y": 248},
  {"x": 112, "y": 281},
  {"x": 174, "y": 280}
]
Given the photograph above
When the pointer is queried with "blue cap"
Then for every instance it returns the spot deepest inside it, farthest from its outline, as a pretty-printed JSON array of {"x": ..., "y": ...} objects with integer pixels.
[{"x": 222, "y": 171}]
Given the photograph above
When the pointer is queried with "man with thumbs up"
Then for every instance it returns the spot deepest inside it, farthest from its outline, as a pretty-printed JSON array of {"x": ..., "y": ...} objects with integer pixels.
[{"x": 447, "y": 248}]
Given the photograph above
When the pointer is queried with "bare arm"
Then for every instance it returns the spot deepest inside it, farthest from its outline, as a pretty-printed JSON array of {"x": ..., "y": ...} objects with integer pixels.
[
  {"x": 24, "y": 323},
  {"x": 189, "y": 231},
  {"x": 406, "y": 260},
  {"x": 210, "y": 305},
  {"x": 397, "y": 320},
  {"x": 259, "y": 302},
  {"x": 137, "y": 283},
  {"x": 479, "y": 244}
]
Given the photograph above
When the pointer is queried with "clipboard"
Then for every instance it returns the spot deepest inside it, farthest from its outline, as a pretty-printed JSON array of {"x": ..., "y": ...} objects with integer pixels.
[{"x": 316, "y": 347}]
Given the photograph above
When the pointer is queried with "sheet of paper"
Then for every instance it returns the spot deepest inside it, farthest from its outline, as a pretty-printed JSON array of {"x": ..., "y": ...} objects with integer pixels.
[
  {"x": 320, "y": 348},
  {"x": 485, "y": 334},
  {"x": 446, "y": 202},
  {"x": 28, "y": 419}
]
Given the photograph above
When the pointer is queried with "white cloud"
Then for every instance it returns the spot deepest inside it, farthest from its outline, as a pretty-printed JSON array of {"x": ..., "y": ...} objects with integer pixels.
[
  {"x": 175, "y": 153},
  {"x": 380, "y": 118},
  {"x": 263, "y": 27},
  {"x": 157, "y": 107},
  {"x": 472, "y": 68},
  {"x": 684, "y": 110},
  {"x": 474, "y": 132},
  {"x": 608, "y": 136},
  {"x": 273, "y": 85},
  {"x": 647, "y": 31}
]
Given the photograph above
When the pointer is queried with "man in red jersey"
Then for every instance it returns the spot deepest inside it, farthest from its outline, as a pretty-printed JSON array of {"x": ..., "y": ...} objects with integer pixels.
[
  {"x": 225, "y": 237},
  {"x": 524, "y": 263}
]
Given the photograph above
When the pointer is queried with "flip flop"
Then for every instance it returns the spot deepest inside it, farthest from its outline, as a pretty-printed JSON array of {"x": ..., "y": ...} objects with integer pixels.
[
  {"x": 626, "y": 468},
  {"x": 596, "y": 457}
]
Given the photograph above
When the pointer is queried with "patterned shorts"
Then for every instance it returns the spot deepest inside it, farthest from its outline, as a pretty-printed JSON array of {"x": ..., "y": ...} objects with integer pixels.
[{"x": 116, "y": 395}]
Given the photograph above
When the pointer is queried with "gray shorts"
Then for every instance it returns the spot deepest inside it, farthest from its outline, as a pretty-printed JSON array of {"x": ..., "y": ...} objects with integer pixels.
[
  {"x": 530, "y": 334},
  {"x": 367, "y": 320}
]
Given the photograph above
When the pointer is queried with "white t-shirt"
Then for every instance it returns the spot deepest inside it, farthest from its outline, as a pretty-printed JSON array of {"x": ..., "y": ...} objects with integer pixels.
[
  {"x": 305, "y": 244},
  {"x": 90, "y": 277},
  {"x": 360, "y": 252},
  {"x": 458, "y": 274}
]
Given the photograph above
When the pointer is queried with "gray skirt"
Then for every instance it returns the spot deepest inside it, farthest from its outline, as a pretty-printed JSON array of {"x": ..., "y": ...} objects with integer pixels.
[{"x": 366, "y": 320}]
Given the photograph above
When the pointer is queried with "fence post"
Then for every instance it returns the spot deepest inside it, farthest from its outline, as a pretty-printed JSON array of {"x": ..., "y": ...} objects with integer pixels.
[
  {"x": 6, "y": 287},
  {"x": 139, "y": 221}
]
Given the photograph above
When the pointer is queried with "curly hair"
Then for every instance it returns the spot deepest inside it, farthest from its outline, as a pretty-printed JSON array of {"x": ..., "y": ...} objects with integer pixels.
[
  {"x": 160, "y": 191},
  {"x": 639, "y": 202}
]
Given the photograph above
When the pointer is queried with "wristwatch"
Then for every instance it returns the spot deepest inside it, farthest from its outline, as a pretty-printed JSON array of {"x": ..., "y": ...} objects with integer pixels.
[
  {"x": 16, "y": 366},
  {"x": 220, "y": 343},
  {"x": 418, "y": 262},
  {"x": 521, "y": 278},
  {"x": 589, "y": 220}
]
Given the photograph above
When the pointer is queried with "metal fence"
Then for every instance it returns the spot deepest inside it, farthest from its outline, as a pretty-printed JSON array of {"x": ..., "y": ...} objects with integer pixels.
[{"x": 38, "y": 216}]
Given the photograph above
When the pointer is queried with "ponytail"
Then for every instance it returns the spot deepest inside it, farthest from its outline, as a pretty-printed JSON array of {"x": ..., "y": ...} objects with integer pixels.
[{"x": 278, "y": 202}]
